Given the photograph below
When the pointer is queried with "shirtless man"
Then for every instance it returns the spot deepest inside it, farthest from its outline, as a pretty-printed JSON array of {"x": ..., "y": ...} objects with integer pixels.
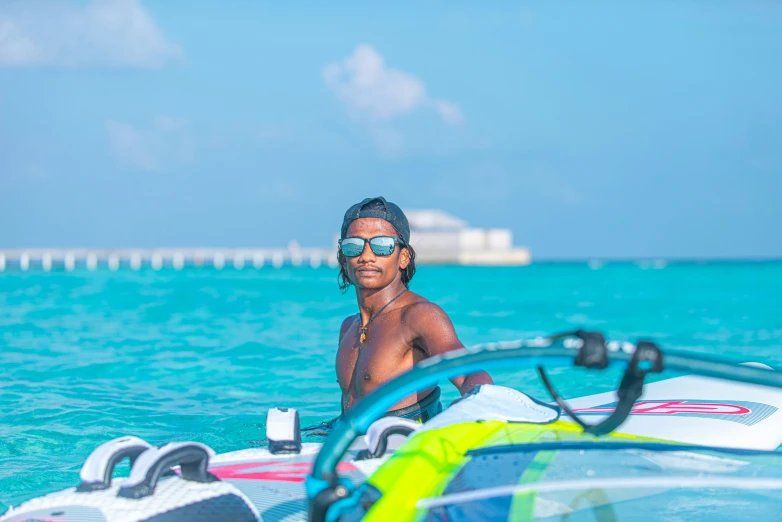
[{"x": 395, "y": 328}]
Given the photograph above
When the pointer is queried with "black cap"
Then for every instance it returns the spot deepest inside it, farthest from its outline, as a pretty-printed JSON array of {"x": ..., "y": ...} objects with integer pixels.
[{"x": 378, "y": 208}]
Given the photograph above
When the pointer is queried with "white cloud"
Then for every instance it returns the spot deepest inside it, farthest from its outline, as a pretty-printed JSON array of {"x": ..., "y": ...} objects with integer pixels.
[
  {"x": 169, "y": 124},
  {"x": 164, "y": 144},
  {"x": 390, "y": 143},
  {"x": 449, "y": 112},
  {"x": 114, "y": 33},
  {"x": 16, "y": 48},
  {"x": 364, "y": 83},
  {"x": 130, "y": 145}
]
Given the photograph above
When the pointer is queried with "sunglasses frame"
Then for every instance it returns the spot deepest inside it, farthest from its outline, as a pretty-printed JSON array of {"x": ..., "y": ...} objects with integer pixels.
[{"x": 369, "y": 240}]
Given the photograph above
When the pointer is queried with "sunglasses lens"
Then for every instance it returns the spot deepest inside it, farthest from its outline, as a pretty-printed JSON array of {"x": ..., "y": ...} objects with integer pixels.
[
  {"x": 352, "y": 247},
  {"x": 382, "y": 246}
]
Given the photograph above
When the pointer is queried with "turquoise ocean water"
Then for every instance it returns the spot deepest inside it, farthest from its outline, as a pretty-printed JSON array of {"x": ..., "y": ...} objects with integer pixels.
[{"x": 201, "y": 354}]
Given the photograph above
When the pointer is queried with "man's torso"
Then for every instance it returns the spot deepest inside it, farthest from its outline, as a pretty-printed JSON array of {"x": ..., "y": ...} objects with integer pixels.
[{"x": 388, "y": 350}]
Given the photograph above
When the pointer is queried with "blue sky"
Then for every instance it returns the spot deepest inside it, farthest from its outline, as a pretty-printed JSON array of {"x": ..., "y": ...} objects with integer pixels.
[{"x": 589, "y": 129}]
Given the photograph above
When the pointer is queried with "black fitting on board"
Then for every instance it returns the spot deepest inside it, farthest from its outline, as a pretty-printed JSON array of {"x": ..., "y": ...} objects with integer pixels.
[
  {"x": 593, "y": 353},
  {"x": 647, "y": 358}
]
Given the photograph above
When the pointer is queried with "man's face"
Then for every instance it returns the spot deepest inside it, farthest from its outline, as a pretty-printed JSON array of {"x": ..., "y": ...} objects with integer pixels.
[{"x": 369, "y": 270}]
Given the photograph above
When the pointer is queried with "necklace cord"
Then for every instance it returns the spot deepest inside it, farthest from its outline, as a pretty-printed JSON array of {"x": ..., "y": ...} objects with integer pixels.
[{"x": 363, "y": 336}]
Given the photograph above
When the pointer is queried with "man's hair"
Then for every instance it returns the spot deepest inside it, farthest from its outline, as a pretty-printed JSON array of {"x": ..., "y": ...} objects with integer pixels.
[{"x": 407, "y": 274}]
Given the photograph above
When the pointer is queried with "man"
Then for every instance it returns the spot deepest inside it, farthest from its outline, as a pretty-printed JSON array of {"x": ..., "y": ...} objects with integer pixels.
[{"x": 395, "y": 328}]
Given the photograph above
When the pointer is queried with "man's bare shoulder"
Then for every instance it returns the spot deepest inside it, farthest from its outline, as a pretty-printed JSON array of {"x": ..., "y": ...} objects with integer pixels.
[
  {"x": 431, "y": 329},
  {"x": 422, "y": 310},
  {"x": 346, "y": 324}
]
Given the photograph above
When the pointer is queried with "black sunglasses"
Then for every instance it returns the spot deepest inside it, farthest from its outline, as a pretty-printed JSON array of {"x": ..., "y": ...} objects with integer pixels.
[{"x": 380, "y": 245}]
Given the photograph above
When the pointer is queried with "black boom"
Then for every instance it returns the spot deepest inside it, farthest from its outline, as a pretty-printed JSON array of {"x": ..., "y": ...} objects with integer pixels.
[{"x": 593, "y": 354}]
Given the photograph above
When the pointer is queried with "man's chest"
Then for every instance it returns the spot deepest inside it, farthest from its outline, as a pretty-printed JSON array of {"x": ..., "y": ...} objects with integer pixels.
[{"x": 381, "y": 356}]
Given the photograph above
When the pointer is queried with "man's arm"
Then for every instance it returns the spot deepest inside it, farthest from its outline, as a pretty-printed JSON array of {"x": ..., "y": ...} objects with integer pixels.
[
  {"x": 346, "y": 324},
  {"x": 434, "y": 334}
]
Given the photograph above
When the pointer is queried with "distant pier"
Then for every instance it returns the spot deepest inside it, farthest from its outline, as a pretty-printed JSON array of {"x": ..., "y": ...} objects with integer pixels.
[
  {"x": 160, "y": 258},
  {"x": 51, "y": 259}
]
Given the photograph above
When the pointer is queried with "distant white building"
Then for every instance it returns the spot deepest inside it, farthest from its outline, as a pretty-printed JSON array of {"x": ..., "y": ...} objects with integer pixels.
[{"x": 440, "y": 238}]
